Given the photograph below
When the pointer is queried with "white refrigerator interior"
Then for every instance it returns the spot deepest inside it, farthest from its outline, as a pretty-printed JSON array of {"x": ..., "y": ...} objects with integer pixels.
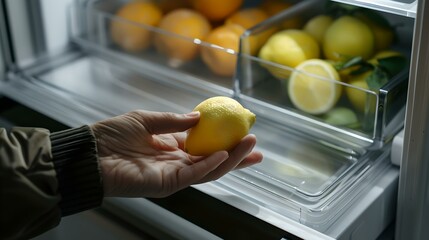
[{"x": 317, "y": 180}]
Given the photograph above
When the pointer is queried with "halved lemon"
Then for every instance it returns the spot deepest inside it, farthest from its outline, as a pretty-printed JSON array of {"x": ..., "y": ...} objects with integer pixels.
[{"x": 313, "y": 87}]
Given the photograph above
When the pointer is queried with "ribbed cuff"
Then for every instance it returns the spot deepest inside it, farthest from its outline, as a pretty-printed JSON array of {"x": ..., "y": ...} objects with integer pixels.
[{"x": 75, "y": 158}]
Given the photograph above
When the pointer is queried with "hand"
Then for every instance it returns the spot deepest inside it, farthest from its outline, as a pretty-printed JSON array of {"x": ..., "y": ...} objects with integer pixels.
[{"x": 141, "y": 155}]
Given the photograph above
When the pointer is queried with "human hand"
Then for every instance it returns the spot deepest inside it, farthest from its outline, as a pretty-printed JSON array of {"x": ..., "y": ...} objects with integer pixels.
[{"x": 142, "y": 155}]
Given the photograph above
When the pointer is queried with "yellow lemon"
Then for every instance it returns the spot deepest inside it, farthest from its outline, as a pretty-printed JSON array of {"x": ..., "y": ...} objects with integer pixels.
[
  {"x": 290, "y": 48},
  {"x": 348, "y": 37},
  {"x": 317, "y": 26},
  {"x": 313, "y": 87},
  {"x": 223, "y": 123},
  {"x": 383, "y": 54},
  {"x": 358, "y": 97},
  {"x": 384, "y": 34}
]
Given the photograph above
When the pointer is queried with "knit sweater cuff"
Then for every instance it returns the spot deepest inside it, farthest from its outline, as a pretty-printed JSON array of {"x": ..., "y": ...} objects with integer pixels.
[{"x": 75, "y": 159}]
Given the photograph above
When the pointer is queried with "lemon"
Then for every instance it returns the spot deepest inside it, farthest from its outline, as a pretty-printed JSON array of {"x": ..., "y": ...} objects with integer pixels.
[
  {"x": 384, "y": 34},
  {"x": 223, "y": 123},
  {"x": 348, "y": 37},
  {"x": 312, "y": 88},
  {"x": 383, "y": 54},
  {"x": 290, "y": 48},
  {"x": 357, "y": 96},
  {"x": 317, "y": 26}
]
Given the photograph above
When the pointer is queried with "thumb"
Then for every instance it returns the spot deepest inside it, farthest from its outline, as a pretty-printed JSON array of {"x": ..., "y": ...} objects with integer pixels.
[{"x": 167, "y": 122}]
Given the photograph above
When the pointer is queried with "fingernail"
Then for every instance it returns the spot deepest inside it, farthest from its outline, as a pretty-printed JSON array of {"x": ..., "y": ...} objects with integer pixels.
[{"x": 193, "y": 114}]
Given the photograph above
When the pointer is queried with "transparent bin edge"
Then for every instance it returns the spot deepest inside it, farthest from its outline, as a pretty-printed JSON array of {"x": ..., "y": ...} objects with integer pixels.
[
  {"x": 379, "y": 125},
  {"x": 89, "y": 25},
  {"x": 319, "y": 217}
]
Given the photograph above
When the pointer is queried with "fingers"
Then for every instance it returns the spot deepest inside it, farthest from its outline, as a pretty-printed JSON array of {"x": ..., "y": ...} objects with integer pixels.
[
  {"x": 166, "y": 122},
  {"x": 236, "y": 156},
  {"x": 252, "y": 158},
  {"x": 197, "y": 171}
]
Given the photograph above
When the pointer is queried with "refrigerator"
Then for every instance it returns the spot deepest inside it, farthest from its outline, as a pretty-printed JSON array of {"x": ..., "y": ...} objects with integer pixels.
[{"x": 318, "y": 180}]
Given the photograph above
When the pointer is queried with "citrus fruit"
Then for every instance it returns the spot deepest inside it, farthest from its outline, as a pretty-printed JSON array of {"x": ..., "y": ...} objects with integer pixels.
[
  {"x": 223, "y": 123},
  {"x": 248, "y": 18},
  {"x": 274, "y": 7},
  {"x": 126, "y": 32},
  {"x": 168, "y": 5},
  {"x": 186, "y": 25},
  {"x": 358, "y": 97},
  {"x": 313, "y": 87},
  {"x": 222, "y": 61},
  {"x": 348, "y": 37},
  {"x": 290, "y": 48},
  {"x": 216, "y": 10},
  {"x": 342, "y": 116},
  {"x": 317, "y": 26},
  {"x": 383, "y": 54},
  {"x": 384, "y": 34}
]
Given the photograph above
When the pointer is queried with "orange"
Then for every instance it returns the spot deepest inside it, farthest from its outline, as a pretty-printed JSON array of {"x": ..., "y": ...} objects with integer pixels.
[
  {"x": 222, "y": 61},
  {"x": 274, "y": 7},
  {"x": 248, "y": 18},
  {"x": 126, "y": 31},
  {"x": 183, "y": 26},
  {"x": 216, "y": 10},
  {"x": 169, "y": 5}
]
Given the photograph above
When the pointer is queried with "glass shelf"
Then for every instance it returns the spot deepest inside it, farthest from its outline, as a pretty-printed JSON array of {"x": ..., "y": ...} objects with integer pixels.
[{"x": 406, "y": 8}]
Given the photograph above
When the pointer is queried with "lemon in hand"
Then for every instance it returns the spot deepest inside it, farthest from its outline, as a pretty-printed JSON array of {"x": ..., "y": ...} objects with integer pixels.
[
  {"x": 223, "y": 123},
  {"x": 313, "y": 87},
  {"x": 289, "y": 48}
]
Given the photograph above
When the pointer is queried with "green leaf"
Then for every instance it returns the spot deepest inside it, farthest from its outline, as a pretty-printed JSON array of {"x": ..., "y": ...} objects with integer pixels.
[
  {"x": 377, "y": 79},
  {"x": 392, "y": 65},
  {"x": 352, "y": 62}
]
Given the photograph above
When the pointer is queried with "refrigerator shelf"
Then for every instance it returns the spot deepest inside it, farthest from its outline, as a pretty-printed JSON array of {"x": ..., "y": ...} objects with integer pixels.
[{"x": 401, "y": 7}]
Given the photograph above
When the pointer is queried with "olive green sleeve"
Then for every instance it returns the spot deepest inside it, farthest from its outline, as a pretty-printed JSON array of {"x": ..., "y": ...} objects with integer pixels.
[
  {"x": 28, "y": 185},
  {"x": 46, "y": 176}
]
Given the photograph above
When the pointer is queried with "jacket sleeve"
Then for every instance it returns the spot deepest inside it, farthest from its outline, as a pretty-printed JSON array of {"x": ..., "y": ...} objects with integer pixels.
[{"x": 45, "y": 176}]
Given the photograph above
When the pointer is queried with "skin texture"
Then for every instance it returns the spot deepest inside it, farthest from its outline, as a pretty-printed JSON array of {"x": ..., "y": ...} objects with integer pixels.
[{"x": 142, "y": 155}]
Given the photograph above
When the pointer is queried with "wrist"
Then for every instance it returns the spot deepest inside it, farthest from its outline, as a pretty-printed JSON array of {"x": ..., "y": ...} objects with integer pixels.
[{"x": 74, "y": 155}]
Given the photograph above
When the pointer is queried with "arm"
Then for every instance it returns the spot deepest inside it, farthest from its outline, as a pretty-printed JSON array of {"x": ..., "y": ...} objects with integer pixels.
[
  {"x": 30, "y": 192},
  {"x": 138, "y": 154}
]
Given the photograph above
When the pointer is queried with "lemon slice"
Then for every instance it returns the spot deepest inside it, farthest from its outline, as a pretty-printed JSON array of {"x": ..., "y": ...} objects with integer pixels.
[{"x": 313, "y": 88}]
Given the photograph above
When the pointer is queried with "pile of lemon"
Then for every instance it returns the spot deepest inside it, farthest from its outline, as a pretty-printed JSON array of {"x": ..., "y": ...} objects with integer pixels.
[
  {"x": 313, "y": 56},
  {"x": 184, "y": 30}
]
